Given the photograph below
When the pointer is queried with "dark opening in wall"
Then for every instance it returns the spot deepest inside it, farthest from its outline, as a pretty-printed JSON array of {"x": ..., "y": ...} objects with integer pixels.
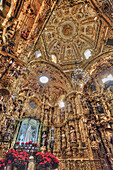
[
  {"x": 0, "y": 107},
  {"x": 8, "y": 4},
  {"x": 109, "y": 42}
]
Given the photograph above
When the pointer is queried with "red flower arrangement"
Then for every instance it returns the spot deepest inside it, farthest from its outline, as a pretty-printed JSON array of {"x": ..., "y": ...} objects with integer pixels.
[
  {"x": 10, "y": 156},
  {"x": 20, "y": 160},
  {"x": 39, "y": 157},
  {"x": 47, "y": 160},
  {"x": 30, "y": 142},
  {"x": 42, "y": 160},
  {"x": 2, "y": 164},
  {"x": 27, "y": 143},
  {"x": 54, "y": 160},
  {"x": 22, "y": 143},
  {"x": 17, "y": 143},
  {"x": 34, "y": 144}
]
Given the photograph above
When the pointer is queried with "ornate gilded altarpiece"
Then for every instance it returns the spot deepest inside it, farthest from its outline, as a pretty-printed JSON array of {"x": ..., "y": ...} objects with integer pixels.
[{"x": 78, "y": 34}]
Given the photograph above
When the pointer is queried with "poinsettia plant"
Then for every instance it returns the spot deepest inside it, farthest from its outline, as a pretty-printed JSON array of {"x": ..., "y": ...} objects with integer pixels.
[
  {"x": 30, "y": 142},
  {"x": 2, "y": 164},
  {"x": 39, "y": 157},
  {"x": 22, "y": 143},
  {"x": 20, "y": 160},
  {"x": 47, "y": 160},
  {"x": 44, "y": 162},
  {"x": 10, "y": 155},
  {"x": 54, "y": 160},
  {"x": 26, "y": 144},
  {"x": 34, "y": 144},
  {"x": 17, "y": 143}
]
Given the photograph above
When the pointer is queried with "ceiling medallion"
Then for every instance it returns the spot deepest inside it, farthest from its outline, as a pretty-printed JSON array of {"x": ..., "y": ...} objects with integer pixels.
[
  {"x": 43, "y": 79},
  {"x": 80, "y": 76},
  {"x": 68, "y": 29}
]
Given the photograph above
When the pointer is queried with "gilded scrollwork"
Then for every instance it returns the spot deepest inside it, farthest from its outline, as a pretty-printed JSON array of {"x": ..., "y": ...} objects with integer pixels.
[{"x": 49, "y": 38}]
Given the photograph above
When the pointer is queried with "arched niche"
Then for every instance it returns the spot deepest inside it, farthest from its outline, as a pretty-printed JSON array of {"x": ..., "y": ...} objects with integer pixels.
[
  {"x": 29, "y": 131},
  {"x": 4, "y": 92},
  {"x": 57, "y": 85}
]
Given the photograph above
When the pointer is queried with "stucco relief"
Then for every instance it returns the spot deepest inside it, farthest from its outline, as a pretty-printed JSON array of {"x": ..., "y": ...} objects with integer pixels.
[{"x": 70, "y": 31}]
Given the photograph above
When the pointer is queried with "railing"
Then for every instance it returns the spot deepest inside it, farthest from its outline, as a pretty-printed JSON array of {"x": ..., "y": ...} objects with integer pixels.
[{"x": 31, "y": 150}]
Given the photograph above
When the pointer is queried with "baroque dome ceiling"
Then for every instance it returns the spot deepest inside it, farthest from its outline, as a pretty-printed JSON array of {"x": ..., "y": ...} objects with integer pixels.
[
  {"x": 65, "y": 29},
  {"x": 71, "y": 31}
]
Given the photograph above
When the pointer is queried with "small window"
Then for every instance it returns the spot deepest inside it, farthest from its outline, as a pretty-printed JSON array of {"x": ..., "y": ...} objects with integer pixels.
[
  {"x": 32, "y": 104},
  {"x": 53, "y": 58},
  {"x": 38, "y": 54},
  {"x": 83, "y": 144},
  {"x": 108, "y": 78},
  {"x": 87, "y": 53},
  {"x": 61, "y": 104}
]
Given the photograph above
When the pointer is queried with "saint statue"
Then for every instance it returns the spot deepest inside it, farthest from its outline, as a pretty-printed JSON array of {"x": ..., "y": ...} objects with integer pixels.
[
  {"x": 70, "y": 109},
  {"x": 22, "y": 137},
  {"x": 72, "y": 135},
  {"x": 62, "y": 114},
  {"x": 63, "y": 140},
  {"x": 111, "y": 140},
  {"x": 99, "y": 108},
  {"x": 28, "y": 134},
  {"x": 44, "y": 139}
]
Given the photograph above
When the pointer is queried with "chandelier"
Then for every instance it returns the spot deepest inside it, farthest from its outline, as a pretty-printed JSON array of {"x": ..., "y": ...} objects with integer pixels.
[
  {"x": 80, "y": 76},
  {"x": 52, "y": 138},
  {"x": 52, "y": 134}
]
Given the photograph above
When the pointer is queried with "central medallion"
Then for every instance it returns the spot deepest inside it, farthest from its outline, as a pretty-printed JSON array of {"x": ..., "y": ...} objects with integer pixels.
[{"x": 67, "y": 29}]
